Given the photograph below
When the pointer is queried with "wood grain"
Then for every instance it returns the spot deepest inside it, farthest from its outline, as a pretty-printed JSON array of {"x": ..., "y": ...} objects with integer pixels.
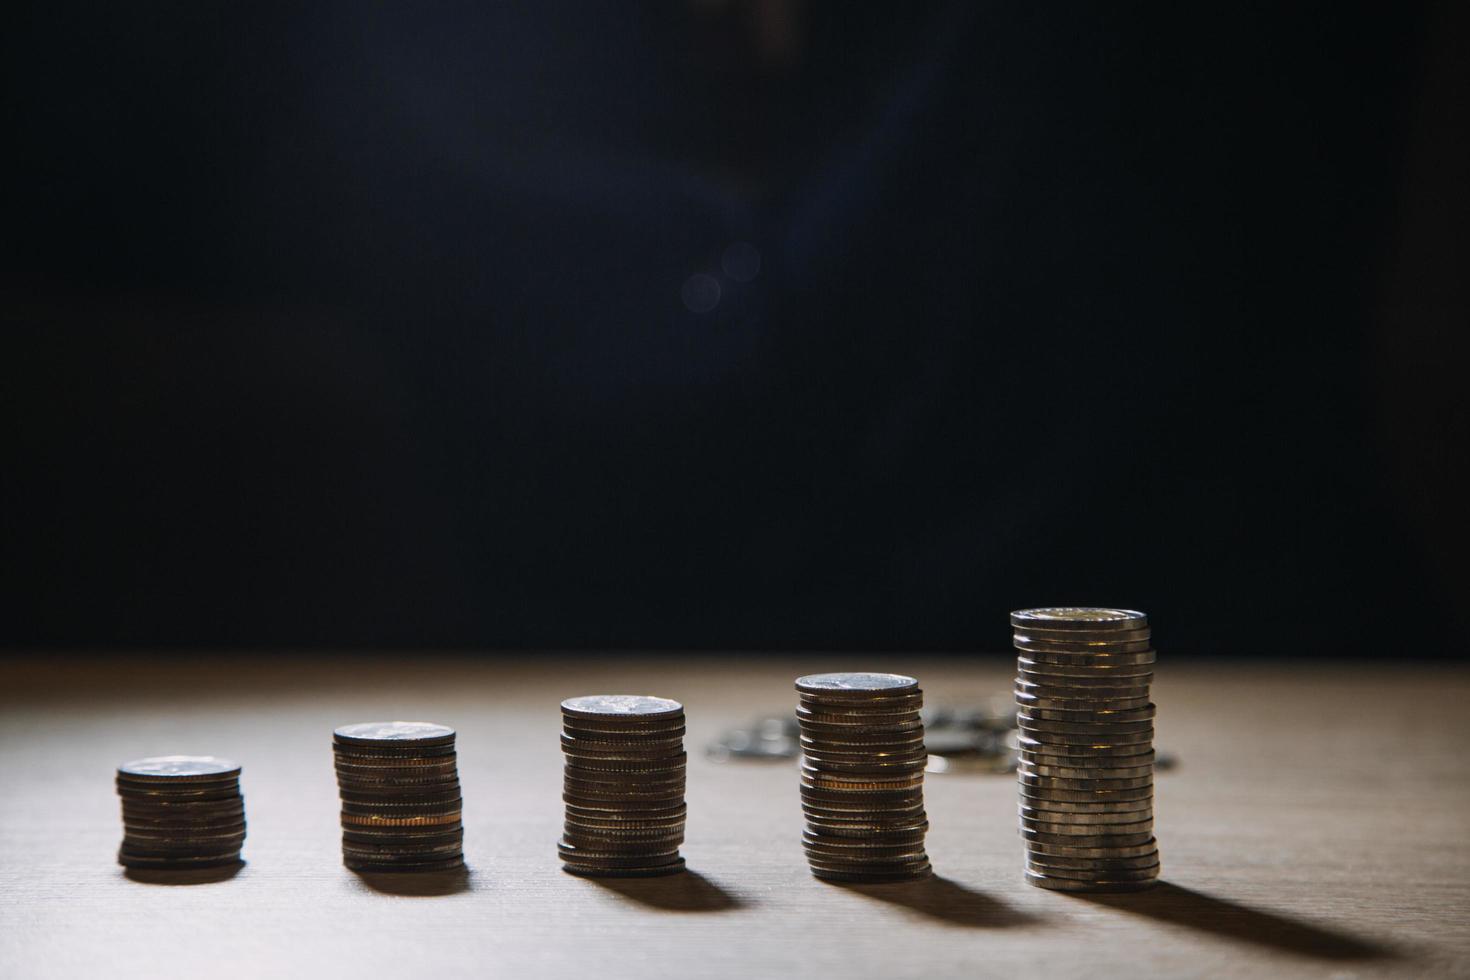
[{"x": 1319, "y": 825}]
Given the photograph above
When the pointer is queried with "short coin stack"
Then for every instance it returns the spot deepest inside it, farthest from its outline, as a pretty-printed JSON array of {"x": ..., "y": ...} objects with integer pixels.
[
  {"x": 623, "y": 786},
  {"x": 401, "y": 805},
  {"x": 181, "y": 811},
  {"x": 862, "y": 776},
  {"x": 1086, "y": 761}
]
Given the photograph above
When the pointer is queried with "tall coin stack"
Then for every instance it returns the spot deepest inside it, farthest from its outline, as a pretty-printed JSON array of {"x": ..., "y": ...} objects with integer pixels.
[
  {"x": 862, "y": 776},
  {"x": 1086, "y": 766},
  {"x": 181, "y": 811},
  {"x": 623, "y": 786},
  {"x": 401, "y": 805}
]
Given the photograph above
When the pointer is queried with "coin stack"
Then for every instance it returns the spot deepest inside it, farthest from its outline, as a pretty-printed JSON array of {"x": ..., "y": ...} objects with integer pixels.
[
  {"x": 181, "y": 811},
  {"x": 862, "y": 776},
  {"x": 1087, "y": 760},
  {"x": 401, "y": 804},
  {"x": 623, "y": 786}
]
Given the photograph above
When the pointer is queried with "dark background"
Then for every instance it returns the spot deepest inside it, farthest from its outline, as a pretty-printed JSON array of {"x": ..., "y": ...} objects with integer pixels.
[{"x": 344, "y": 325}]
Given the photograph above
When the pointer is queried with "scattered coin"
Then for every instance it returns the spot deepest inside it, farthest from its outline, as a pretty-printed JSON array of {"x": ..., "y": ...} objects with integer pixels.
[
  {"x": 180, "y": 811},
  {"x": 1086, "y": 758},
  {"x": 623, "y": 786},
  {"x": 401, "y": 805}
]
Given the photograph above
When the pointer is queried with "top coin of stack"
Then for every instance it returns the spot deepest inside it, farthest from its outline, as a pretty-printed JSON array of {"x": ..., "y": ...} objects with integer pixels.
[
  {"x": 1086, "y": 759},
  {"x": 401, "y": 805},
  {"x": 862, "y": 776},
  {"x": 181, "y": 811},
  {"x": 623, "y": 785}
]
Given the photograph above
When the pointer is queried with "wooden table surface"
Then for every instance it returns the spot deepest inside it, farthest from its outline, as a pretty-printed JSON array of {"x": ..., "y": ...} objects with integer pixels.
[{"x": 1318, "y": 825}]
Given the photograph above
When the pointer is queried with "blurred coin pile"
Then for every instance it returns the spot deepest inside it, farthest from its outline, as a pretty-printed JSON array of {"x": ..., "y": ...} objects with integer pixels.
[
  {"x": 1086, "y": 748},
  {"x": 862, "y": 776},
  {"x": 401, "y": 804},
  {"x": 623, "y": 785},
  {"x": 181, "y": 811}
]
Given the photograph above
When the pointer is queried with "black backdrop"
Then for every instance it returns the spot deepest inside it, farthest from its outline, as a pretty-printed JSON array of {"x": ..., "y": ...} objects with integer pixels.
[{"x": 341, "y": 325}]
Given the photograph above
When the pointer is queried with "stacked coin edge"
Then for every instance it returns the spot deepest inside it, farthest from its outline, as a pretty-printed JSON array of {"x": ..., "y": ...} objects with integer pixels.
[
  {"x": 862, "y": 777},
  {"x": 1085, "y": 722},
  {"x": 623, "y": 784},
  {"x": 402, "y": 809},
  {"x": 180, "y": 812}
]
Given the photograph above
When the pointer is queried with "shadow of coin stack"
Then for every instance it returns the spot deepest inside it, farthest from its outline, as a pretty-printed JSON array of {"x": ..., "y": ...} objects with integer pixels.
[
  {"x": 1086, "y": 748},
  {"x": 862, "y": 776},
  {"x": 623, "y": 786},
  {"x": 181, "y": 811},
  {"x": 401, "y": 804}
]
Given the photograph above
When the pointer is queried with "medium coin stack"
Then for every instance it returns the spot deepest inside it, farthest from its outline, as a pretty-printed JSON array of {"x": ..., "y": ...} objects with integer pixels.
[
  {"x": 1086, "y": 759},
  {"x": 623, "y": 786},
  {"x": 401, "y": 805},
  {"x": 181, "y": 811},
  {"x": 862, "y": 776}
]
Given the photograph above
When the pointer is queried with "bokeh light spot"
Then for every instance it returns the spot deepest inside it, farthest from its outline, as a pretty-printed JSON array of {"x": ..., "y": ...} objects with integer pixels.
[
  {"x": 741, "y": 261},
  {"x": 701, "y": 293}
]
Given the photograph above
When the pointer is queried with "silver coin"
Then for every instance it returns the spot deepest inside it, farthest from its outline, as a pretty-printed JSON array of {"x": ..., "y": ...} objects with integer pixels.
[
  {"x": 1081, "y": 745},
  {"x": 129, "y": 860},
  {"x": 1046, "y": 795},
  {"x": 1077, "y": 867},
  {"x": 397, "y": 732},
  {"x": 571, "y": 851},
  {"x": 1150, "y": 860},
  {"x": 1081, "y": 635},
  {"x": 887, "y": 846},
  {"x": 1100, "y": 846},
  {"x": 864, "y": 810},
  {"x": 1091, "y": 831},
  {"x": 1036, "y": 768},
  {"x": 1032, "y": 767},
  {"x": 634, "y": 707},
  {"x": 1098, "y": 885},
  {"x": 1083, "y": 819},
  {"x": 178, "y": 768},
  {"x": 853, "y": 816},
  {"x": 852, "y": 752},
  {"x": 1084, "y": 785},
  {"x": 654, "y": 871},
  {"x": 1118, "y": 673},
  {"x": 1079, "y": 617},
  {"x": 1087, "y": 681},
  {"x": 1093, "y": 660},
  {"x": 871, "y": 878},
  {"x": 844, "y": 704},
  {"x": 1093, "y": 867},
  {"x": 859, "y": 782},
  {"x": 1098, "y": 715},
  {"x": 818, "y": 729},
  {"x": 1033, "y": 704},
  {"x": 854, "y": 684},
  {"x": 1089, "y": 647},
  {"x": 1080, "y": 695},
  {"x": 875, "y": 717},
  {"x": 1147, "y": 872},
  {"x": 1102, "y": 730},
  {"x": 1084, "y": 726},
  {"x": 1090, "y": 806}
]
